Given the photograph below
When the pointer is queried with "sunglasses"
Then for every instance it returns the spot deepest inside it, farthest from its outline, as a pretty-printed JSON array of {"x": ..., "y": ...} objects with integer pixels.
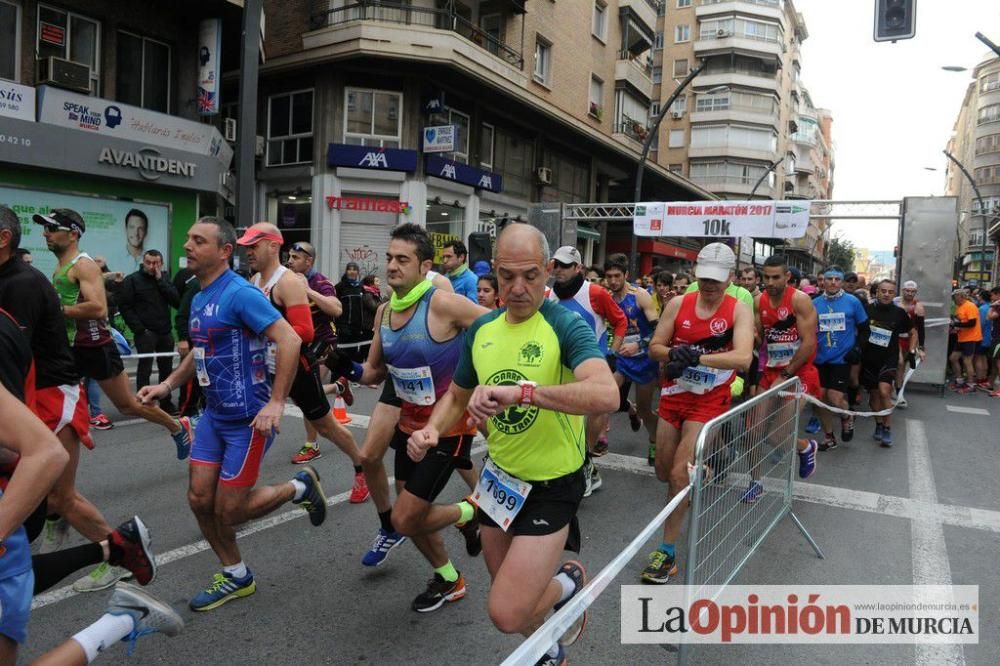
[
  {"x": 52, "y": 228},
  {"x": 299, "y": 247}
]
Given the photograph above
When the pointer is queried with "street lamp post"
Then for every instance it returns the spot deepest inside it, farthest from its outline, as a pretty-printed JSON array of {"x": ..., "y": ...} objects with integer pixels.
[
  {"x": 640, "y": 168},
  {"x": 979, "y": 200}
]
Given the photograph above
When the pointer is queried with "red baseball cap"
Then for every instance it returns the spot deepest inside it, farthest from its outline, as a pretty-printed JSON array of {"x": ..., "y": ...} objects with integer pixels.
[{"x": 253, "y": 236}]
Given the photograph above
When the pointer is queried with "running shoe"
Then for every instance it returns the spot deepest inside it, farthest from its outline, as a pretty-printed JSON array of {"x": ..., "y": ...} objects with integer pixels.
[
  {"x": 954, "y": 384},
  {"x": 634, "y": 421},
  {"x": 995, "y": 394},
  {"x": 438, "y": 593},
  {"x": 101, "y": 578},
  {"x": 56, "y": 530},
  {"x": 359, "y": 491},
  {"x": 813, "y": 426},
  {"x": 149, "y": 615},
  {"x": 589, "y": 470},
  {"x": 752, "y": 493},
  {"x": 578, "y": 575},
  {"x": 661, "y": 567},
  {"x": 470, "y": 531},
  {"x": 595, "y": 478},
  {"x": 651, "y": 454},
  {"x": 877, "y": 435},
  {"x": 130, "y": 548},
  {"x": 901, "y": 403},
  {"x": 829, "y": 442},
  {"x": 965, "y": 389},
  {"x": 183, "y": 437},
  {"x": 101, "y": 422},
  {"x": 846, "y": 428},
  {"x": 384, "y": 543},
  {"x": 807, "y": 459},
  {"x": 984, "y": 385},
  {"x": 345, "y": 391},
  {"x": 224, "y": 588},
  {"x": 558, "y": 660},
  {"x": 886, "y": 437},
  {"x": 306, "y": 454},
  {"x": 313, "y": 500},
  {"x": 601, "y": 448}
]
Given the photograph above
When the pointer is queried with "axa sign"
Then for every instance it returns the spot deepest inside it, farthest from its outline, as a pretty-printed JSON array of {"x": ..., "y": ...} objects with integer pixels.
[
  {"x": 463, "y": 173},
  {"x": 148, "y": 162},
  {"x": 371, "y": 157}
]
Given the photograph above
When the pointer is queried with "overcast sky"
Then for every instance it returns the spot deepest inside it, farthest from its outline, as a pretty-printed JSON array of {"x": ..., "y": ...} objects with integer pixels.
[{"x": 893, "y": 106}]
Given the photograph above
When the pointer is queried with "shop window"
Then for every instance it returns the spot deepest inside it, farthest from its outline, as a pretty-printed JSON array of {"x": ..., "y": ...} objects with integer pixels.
[
  {"x": 143, "y": 72},
  {"x": 70, "y": 36},
  {"x": 445, "y": 222},
  {"x": 461, "y": 122},
  {"x": 291, "y": 212},
  {"x": 290, "y": 128},
  {"x": 373, "y": 118},
  {"x": 10, "y": 40}
]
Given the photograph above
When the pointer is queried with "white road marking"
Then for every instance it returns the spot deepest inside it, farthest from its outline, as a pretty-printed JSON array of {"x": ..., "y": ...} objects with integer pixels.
[
  {"x": 357, "y": 420},
  {"x": 183, "y": 552},
  {"x": 967, "y": 410}
]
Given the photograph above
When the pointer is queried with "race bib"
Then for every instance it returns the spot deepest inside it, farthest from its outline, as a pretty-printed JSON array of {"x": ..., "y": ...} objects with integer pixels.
[
  {"x": 272, "y": 358},
  {"x": 832, "y": 322},
  {"x": 500, "y": 495},
  {"x": 200, "y": 370},
  {"x": 631, "y": 339},
  {"x": 414, "y": 385},
  {"x": 779, "y": 354},
  {"x": 699, "y": 379},
  {"x": 880, "y": 337}
]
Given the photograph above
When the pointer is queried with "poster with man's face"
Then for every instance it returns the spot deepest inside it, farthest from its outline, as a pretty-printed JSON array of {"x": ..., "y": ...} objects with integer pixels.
[{"x": 119, "y": 231}]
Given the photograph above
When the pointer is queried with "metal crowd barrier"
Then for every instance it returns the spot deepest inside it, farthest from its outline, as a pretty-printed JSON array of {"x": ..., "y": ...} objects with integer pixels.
[{"x": 754, "y": 441}]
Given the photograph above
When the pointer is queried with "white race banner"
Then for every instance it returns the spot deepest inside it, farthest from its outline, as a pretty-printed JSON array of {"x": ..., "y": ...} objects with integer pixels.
[{"x": 733, "y": 219}]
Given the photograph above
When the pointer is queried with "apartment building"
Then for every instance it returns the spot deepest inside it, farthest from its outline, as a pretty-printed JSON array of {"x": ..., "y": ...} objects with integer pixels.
[
  {"x": 746, "y": 126},
  {"x": 975, "y": 142}
]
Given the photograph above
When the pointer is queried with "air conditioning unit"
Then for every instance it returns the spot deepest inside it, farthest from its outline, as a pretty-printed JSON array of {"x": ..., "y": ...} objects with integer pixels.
[
  {"x": 676, "y": 115},
  {"x": 64, "y": 74},
  {"x": 544, "y": 175},
  {"x": 229, "y": 129},
  {"x": 721, "y": 32},
  {"x": 259, "y": 147}
]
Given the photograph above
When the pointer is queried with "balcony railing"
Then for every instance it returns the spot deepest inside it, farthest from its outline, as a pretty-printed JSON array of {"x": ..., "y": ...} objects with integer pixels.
[
  {"x": 404, "y": 14},
  {"x": 632, "y": 128},
  {"x": 765, "y": 3}
]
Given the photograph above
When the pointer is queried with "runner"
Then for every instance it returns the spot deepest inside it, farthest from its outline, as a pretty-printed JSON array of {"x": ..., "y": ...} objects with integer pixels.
[
  {"x": 915, "y": 310},
  {"x": 786, "y": 323},
  {"x": 514, "y": 375},
  {"x": 705, "y": 338},
  {"x": 289, "y": 294},
  {"x": 994, "y": 316},
  {"x": 840, "y": 314},
  {"x": 966, "y": 323},
  {"x": 632, "y": 363},
  {"x": 599, "y": 311},
  {"x": 880, "y": 337},
  {"x": 229, "y": 321},
  {"x": 663, "y": 290},
  {"x": 417, "y": 345},
  {"x": 80, "y": 286}
]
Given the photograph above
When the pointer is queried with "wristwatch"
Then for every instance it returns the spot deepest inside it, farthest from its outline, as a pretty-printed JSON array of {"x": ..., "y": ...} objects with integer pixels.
[{"x": 527, "y": 391}]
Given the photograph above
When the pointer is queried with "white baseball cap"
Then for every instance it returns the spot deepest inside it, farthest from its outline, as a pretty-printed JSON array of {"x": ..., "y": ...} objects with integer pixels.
[
  {"x": 568, "y": 254},
  {"x": 715, "y": 262},
  {"x": 909, "y": 284}
]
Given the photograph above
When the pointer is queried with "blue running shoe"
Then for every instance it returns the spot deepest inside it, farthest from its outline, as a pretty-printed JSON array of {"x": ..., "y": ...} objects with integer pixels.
[
  {"x": 313, "y": 500},
  {"x": 149, "y": 615},
  {"x": 385, "y": 541},
  {"x": 224, "y": 588},
  {"x": 182, "y": 438},
  {"x": 813, "y": 426},
  {"x": 807, "y": 460},
  {"x": 753, "y": 493},
  {"x": 886, "y": 437},
  {"x": 879, "y": 431}
]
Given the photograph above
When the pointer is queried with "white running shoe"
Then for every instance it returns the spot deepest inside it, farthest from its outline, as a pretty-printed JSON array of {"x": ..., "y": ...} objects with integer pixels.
[
  {"x": 54, "y": 535},
  {"x": 101, "y": 578}
]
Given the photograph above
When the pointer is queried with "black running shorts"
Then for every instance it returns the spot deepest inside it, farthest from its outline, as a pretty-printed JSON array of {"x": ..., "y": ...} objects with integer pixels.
[
  {"x": 307, "y": 392},
  {"x": 427, "y": 478},
  {"x": 98, "y": 363},
  {"x": 834, "y": 376},
  {"x": 550, "y": 506},
  {"x": 873, "y": 374},
  {"x": 389, "y": 396}
]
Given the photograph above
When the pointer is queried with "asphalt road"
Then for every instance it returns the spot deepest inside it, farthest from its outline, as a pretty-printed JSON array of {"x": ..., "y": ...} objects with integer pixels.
[{"x": 925, "y": 511}]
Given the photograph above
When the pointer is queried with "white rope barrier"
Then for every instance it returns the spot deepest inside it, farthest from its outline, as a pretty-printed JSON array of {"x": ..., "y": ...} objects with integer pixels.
[
  {"x": 847, "y": 412},
  {"x": 545, "y": 637}
]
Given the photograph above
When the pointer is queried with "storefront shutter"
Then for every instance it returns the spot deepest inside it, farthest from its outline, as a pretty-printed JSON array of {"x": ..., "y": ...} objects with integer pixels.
[{"x": 366, "y": 244}]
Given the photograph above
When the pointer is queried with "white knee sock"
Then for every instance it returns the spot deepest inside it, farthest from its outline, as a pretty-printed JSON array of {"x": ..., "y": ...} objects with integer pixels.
[{"x": 105, "y": 632}]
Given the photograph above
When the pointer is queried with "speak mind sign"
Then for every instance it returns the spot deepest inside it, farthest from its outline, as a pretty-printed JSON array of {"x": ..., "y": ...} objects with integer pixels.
[{"x": 764, "y": 219}]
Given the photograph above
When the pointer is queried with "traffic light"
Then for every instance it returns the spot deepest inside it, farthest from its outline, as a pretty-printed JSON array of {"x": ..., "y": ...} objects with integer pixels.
[{"x": 895, "y": 19}]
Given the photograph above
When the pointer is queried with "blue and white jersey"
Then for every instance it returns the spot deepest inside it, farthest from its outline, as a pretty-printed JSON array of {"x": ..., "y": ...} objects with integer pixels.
[
  {"x": 838, "y": 319},
  {"x": 16, "y": 556}
]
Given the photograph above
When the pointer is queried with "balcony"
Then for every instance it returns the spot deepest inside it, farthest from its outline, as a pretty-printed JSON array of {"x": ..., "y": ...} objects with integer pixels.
[
  {"x": 398, "y": 29},
  {"x": 738, "y": 78},
  {"x": 739, "y": 186},
  {"x": 643, "y": 10},
  {"x": 636, "y": 74},
  {"x": 730, "y": 150},
  {"x": 635, "y": 131},
  {"x": 741, "y": 44},
  {"x": 770, "y": 9},
  {"x": 738, "y": 113}
]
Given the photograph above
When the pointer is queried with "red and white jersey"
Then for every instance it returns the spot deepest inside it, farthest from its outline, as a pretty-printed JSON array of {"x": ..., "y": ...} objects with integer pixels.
[
  {"x": 781, "y": 331},
  {"x": 713, "y": 335},
  {"x": 911, "y": 310},
  {"x": 595, "y": 305}
]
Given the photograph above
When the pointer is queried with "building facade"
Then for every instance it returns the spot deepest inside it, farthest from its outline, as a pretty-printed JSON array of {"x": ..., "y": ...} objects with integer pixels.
[{"x": 975, "y": 142}]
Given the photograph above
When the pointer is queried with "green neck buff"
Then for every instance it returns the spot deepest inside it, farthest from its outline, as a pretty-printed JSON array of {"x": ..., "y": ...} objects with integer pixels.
[
  {"x": 398, "y": 304},
  {"x": 458, "y": 271}
]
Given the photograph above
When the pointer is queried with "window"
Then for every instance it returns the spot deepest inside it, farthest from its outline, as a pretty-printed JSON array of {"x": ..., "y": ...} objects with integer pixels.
[
  {"x": 989, "y": 82},
  {"x": 70, "y": 36},
  {"x": 680, "y": 68},
  {"x": 486, "y": 138},
  {"x": 677, "y": 168},
  {"x": 543, "y": 61},
  {"x": 679, "y": 105},
  {"x": 461, "y": 122},
  {"x": 989, "y": 114},
  {"x": 515, "y": 161},
  {"x": 723, "y": 173},
  {"x": 988, "y": 144},
  {"x": 683, "y": 3},
  {"x": 10, "y": 40},
  {"x": 290, "y": 128},
  {"x": 596, "y": 95},
  {"x": 658, "y": 40},
  {"x": 987, "y": 175},
  {"x": 676, "y": 138},
  {"x": 654, "y": 109},
  {"x": 143, "y": 72},
  {"x": 989, "y": 204},
  {"x": 740, "y": 27},
  {"x": 600, "y": 26},
  {"x": 657, "y": 74},
  {"x": 711, "y": 103},
  {"x": 733, "y": 136},
  {"x": 790, "y": 163},
  {"x": 373, "y": 118},
  {"x": 682, "y": 33}
]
